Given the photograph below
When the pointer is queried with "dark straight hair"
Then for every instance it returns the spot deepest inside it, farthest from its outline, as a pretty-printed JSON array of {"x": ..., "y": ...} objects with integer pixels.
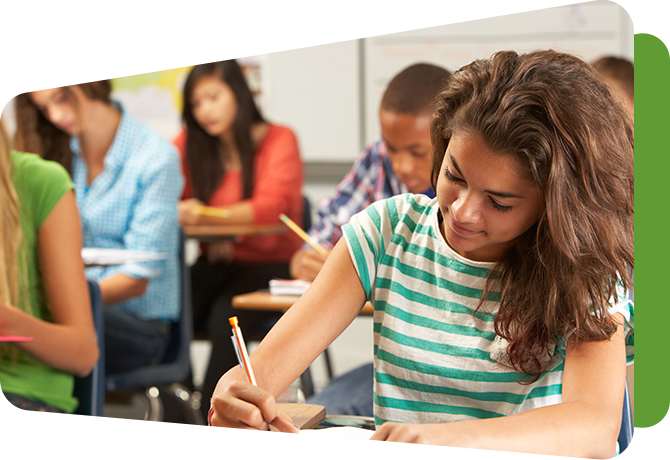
[{"x": 204, "y": 152}]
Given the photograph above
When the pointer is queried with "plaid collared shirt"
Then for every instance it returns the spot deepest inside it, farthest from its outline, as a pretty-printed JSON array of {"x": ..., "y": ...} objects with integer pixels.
[
  {"x": 132, "y": 204},
  {"x": 370, "y": 179}
]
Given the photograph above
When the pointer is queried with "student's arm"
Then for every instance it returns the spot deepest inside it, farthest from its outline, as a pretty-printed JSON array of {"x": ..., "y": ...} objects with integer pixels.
[
  {"x": 585, "y": 424},
  {"x": 151, "y": 228},
  {"x": 238, "y": 214},
  {"x": 69, "y": 343},
  {"x": 304, "y": 331},
  {"x": 120, "y": 288}
]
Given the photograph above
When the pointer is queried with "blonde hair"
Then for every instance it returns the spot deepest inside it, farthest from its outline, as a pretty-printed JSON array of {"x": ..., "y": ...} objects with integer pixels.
[{"x": 13, "y": 287}]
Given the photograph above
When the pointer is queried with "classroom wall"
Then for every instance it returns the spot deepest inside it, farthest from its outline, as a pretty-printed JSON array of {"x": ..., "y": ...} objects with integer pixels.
[{"x": 330, "y": 94}]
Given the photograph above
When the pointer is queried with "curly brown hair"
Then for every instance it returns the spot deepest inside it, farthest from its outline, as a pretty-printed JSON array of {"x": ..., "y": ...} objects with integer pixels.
[
  {"x": 68, "y": 61},
  {"x": 554, "y": 114}
]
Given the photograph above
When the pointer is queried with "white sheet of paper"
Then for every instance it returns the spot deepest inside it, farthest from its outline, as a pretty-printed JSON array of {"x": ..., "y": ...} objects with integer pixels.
[
  {"x": 100, "y": 256},
  {"x": 323, "y": 444}
]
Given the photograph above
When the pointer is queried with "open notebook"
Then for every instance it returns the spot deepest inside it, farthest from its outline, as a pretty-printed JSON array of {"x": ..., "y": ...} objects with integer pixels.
[{"x": 323, "y": 444}]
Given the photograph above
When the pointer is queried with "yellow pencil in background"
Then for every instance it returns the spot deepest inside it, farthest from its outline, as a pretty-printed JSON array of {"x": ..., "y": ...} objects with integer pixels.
[
  {"x": 208, "y": 211},
  {"x": 301, "y": 233}
]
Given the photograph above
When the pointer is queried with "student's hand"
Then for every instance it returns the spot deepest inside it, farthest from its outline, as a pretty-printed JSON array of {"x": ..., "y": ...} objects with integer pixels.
[
  {"x": 220, "y": 251},
  {"x": 306, "y": 264},
  {"x": 414, "y": 441},
  {"x": 242, "y": 405},
  {"x": 187, "y": 214}
]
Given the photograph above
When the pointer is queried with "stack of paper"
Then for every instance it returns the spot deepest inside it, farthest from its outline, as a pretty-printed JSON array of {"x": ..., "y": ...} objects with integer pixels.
[{"x": 288, "y": 287}]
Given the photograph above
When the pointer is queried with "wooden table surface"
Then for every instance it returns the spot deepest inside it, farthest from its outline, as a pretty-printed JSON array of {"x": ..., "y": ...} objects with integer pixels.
[
  {"x": 188, "y": 447},
  {"x": 261, "y": 300},
  {"x": 218, "y": 232}
]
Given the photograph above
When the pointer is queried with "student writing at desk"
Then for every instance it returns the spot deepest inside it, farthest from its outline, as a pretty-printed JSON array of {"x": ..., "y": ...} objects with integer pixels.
[
  {"x": 501, "y": 317},
  {"x": 127, "y": 183},
  {"x": 43, "y": 292},
  {"x": 236, "y": 161},
  {"x": 400, "y": 161}
]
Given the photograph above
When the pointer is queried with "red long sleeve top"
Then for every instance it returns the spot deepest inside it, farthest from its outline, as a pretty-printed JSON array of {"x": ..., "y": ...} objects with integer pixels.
[{"x": 278, "y": 179}]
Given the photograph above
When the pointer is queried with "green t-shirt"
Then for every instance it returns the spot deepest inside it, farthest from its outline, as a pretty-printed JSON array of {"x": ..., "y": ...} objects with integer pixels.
[{"x": 39, "y": 185}]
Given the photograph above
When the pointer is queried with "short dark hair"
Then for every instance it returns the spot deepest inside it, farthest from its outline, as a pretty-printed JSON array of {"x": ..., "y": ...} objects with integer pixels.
[
  {"x": 618, "y": 69},
  {"x": 413, "y": 90}
]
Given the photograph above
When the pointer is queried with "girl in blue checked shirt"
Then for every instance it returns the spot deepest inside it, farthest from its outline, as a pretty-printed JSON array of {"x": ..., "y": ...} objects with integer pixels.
[
  {"x": 127, "y": 182},
  {"x": 499, "y": 322}
]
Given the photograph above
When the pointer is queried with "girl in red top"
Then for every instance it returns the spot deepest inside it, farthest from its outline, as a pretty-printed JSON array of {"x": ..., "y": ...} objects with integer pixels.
[{"x": 234, "y": 160}]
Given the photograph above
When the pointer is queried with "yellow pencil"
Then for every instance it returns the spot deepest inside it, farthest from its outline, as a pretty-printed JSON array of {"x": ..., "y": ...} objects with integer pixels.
[
  {"x": 300, "y": 232},
  {"x": 216, "y": 212}
]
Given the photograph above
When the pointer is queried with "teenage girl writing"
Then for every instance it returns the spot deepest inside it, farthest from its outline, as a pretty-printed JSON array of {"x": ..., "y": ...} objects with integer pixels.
[
  {"x": 498, "y": 323},
  {"x": 127, "y": 183},
  {"x": 43, "y": 292},
  {"x": 236, "y": 161}
]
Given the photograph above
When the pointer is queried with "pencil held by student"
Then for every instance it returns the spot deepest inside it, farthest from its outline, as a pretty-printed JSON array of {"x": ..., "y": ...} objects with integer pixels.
[
  {"x": 511, "y": 280},
  {"x": 240, "y": 169}
]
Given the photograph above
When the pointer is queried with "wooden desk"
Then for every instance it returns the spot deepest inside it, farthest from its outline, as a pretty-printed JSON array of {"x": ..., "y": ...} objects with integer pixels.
[
  {"x": 188, "y": 447},
  {"x": 265, "y": 301},
  {"x": 222, "y": 232}
]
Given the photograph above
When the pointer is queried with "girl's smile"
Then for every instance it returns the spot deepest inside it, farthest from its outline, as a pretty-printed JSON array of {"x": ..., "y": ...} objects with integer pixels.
[{"x": 485, "y": 199}]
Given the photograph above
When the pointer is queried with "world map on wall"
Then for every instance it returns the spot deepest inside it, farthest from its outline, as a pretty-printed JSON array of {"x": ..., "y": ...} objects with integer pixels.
[{"x": 146, "y": 46}]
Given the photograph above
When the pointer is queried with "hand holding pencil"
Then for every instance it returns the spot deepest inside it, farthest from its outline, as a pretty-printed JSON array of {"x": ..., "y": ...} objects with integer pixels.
[
  {"x": 237, "y": 390},
  {"x": 301, "y": 233}
]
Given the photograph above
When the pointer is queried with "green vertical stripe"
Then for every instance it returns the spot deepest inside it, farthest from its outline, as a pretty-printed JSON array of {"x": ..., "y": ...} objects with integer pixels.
[{"x": 652, "y": 162}]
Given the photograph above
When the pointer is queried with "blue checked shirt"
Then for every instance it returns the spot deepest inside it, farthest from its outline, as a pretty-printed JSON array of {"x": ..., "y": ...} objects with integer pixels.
[
  {"x": 132, "y": 204},
  {"x": 370, "y": 179}
]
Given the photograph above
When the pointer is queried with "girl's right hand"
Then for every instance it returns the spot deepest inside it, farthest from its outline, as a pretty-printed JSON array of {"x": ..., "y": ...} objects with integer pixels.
[
  {"x": 242, "y": 405},
  {"x": 187, "y": 214}
]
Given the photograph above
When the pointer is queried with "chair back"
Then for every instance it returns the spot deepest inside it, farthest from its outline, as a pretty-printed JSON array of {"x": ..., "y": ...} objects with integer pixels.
[
  {"x": 626, "y": 431},
  {"x": 307, "y": 214},
  {"x": 90, "y": 390}
]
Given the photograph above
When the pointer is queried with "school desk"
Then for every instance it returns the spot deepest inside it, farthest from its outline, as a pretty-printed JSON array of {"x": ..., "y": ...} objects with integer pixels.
[
  {"x": 187, "y": 446},
  {"x": 207, "y": 233},
  {"x": 261, "y": 300}
]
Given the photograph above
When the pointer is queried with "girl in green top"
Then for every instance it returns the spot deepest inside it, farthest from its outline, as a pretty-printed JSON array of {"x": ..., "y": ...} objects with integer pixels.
[{"x": 43, "y": 291}]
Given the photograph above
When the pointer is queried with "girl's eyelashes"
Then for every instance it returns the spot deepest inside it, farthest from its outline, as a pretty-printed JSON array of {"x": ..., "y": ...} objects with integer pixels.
[
  {"x": 497, "y": 206},
  {"x": 451, "y": 177}
]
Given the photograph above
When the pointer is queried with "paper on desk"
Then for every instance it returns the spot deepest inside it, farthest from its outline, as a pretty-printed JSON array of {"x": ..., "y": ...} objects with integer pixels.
[
  {"x": 323, "y": 444},
  {"x": 100, "y": 256},
  {"x": 288, "y": 287}
]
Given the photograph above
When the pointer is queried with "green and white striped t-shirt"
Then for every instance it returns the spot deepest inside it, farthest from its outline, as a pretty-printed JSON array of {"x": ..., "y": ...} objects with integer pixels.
[{"x": 435, "y": 360}]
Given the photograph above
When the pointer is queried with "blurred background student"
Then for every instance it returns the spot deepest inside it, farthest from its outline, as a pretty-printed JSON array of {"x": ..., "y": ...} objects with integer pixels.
[
  {"x": 127, "y": 182},
  {"x": 234, "y": 160},
  {"x": 619, "y": 72},
  {"x": 43, "y": 292},
  {"x": 399, "y": 161}
]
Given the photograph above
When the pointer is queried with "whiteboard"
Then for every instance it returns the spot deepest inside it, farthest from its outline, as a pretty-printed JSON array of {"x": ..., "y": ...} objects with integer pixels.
[{"x": 326, "y": 63}]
